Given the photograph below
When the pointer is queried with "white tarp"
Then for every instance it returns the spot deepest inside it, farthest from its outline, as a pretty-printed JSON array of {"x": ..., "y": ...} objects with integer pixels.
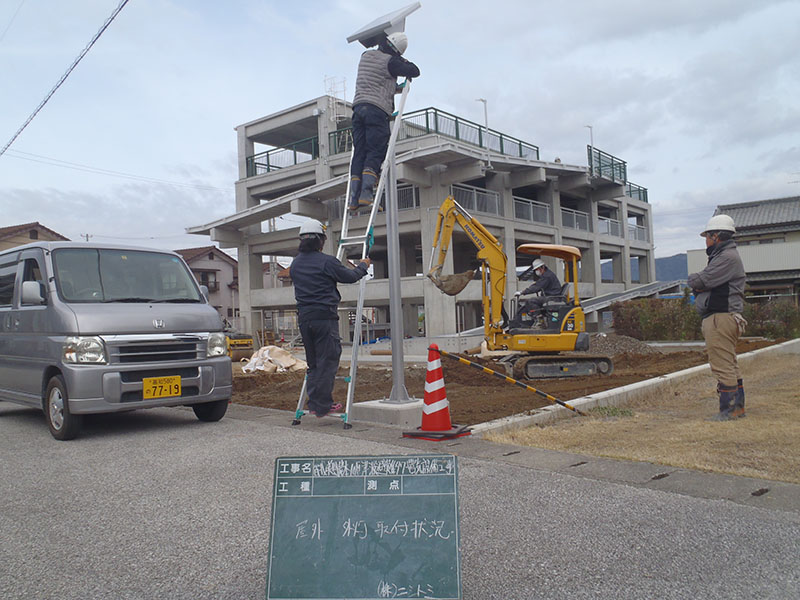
[{"x": 272, "y": 359}]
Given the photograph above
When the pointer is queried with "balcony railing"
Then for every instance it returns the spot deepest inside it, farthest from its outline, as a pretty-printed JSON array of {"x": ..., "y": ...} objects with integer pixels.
[
  {"x": 636, "y": 192},
  {"x": 280, "y": 158},
  {"x": 434, "y": 121},
  {"x": 637, "y": 232},
  {"x": 531, "y": 210},
  {"x": 606, "y": 226},
  {"x": 477, "y": 199},
  {"x": 603, "y": 164},
  {"x": 575, "y": 219},
  {"x": 407, "y": 199}
]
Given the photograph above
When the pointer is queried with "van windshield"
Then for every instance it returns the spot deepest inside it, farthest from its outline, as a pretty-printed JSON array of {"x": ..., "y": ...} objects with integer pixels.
[{"x": 97, "y": 275}]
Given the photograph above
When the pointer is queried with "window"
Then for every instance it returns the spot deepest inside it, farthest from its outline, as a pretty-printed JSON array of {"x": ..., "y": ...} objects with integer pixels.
[
  {"x": 34, "y": 235},
  {"x": 7, "y": 274},
  {"x": 32, "y": 272}
]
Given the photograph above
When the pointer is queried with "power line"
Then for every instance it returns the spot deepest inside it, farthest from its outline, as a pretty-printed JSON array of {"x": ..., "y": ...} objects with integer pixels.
[
  {"x": 14, "y": 16},
  {"x": 56, "y": 162},
  {"x": 66, "y": 74}
]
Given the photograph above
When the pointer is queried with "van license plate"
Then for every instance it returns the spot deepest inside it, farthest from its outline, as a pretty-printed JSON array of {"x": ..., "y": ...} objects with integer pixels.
[{"x": 161, "y": 387}]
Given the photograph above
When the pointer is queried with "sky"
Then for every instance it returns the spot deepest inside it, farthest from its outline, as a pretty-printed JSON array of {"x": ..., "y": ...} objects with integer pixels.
[{"x": 699, "y": 98}]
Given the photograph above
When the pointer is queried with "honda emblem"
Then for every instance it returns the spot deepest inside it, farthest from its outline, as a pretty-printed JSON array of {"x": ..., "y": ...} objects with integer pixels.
[{"x": 158, "y": 323}]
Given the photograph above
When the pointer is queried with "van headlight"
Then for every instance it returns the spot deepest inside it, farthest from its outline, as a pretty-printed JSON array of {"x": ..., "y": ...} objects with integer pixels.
[
  {"x": 217, "y": 344},
  {"x": 84, "y": 350}
]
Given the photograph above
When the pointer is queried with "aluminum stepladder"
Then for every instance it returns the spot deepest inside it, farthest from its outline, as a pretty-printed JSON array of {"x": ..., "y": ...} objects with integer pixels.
[{"x": 363, "y": 240}]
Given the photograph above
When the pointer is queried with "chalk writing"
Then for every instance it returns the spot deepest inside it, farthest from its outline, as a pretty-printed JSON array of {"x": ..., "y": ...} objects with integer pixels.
[
  {"x": 416, "y": 465},
  {"x": 306, "y": 530},
  {"x": 415, "y": 590}
]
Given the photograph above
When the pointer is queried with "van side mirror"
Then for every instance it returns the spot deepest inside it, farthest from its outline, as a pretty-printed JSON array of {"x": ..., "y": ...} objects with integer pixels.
[
  {"x": 32, "y": 292},
  {"x": 204, "y": 291}
]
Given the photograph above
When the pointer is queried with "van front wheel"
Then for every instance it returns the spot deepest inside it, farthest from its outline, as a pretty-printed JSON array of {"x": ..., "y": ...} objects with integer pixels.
[
  {"x": 62, "y": 423},
  {"x": 210, "y": 411}
]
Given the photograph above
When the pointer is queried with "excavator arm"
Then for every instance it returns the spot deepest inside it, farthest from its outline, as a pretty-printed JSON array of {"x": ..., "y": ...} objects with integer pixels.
[{"x": 490, "y": 254}]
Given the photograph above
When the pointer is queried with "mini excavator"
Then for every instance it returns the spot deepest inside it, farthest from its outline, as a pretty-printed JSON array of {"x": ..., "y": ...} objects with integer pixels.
[{"x": 554, "y": 348}]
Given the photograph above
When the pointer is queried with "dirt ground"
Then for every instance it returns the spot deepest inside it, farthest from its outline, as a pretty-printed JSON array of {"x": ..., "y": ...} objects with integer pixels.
[{"x": 474, "y": 396}]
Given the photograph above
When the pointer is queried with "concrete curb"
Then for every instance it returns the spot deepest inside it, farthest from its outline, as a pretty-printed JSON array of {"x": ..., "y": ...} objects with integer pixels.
[{"x": 619, "y": 396}]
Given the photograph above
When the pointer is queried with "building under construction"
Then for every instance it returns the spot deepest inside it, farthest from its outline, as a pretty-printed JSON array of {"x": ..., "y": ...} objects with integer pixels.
[{"x": 296, "y": 161}]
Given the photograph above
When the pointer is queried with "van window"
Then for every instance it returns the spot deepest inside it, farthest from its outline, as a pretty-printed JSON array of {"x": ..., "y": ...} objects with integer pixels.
[
  {"x": 104, "y": 275},
  {"x": 7, "y": 275},
  {"x": 33, "y": 272}
]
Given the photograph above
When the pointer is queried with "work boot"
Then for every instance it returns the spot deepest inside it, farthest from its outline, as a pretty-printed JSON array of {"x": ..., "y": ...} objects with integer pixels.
[
  {"x": 727, "y": 395},
  {"x": 367, "y": 196},
  {"x": 738, "y": 402},
  {"x": 355, "y": 192}
]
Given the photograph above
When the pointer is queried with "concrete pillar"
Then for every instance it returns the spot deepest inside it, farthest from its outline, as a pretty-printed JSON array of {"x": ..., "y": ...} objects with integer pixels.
[
  {"x": 245, "y": 148},
  {"x": 550, "y": 194}
]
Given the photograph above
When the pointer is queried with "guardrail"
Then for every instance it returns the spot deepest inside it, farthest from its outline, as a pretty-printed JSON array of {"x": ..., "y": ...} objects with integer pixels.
[
  {"x": 477, "y": 199},
  {"x": 575, "y": 219},
  {"x": 603, "y": 164},
  {"x": 608, "y": 226},
  {"x": 280, "y": 158},
  {"x": 531, "y": 210}
]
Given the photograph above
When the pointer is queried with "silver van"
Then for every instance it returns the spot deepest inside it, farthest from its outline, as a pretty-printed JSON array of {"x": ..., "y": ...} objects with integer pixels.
[{"x": 93, "y": 328}]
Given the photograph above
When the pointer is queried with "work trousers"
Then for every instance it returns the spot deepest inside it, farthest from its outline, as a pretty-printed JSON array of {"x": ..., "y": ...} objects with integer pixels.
[
  {"x": 721, "y": 332},
  {"x": 370, "y": 138},
  {"x": 323, "y": 349}
]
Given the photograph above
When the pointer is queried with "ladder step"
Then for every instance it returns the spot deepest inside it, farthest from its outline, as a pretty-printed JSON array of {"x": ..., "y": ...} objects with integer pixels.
[{"x": 353, "y": 240}]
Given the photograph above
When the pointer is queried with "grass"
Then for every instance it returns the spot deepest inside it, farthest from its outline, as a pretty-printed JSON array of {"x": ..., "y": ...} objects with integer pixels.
[{"x": 670, "y": 428}]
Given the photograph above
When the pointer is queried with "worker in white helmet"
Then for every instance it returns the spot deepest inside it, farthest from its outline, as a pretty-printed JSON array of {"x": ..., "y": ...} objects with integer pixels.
[
  {"x": 373, "y": 104},
  {"x": 719, "y": 290},
  {"x": 314, "y": 276},
  {"x": 546, "y": 285}
]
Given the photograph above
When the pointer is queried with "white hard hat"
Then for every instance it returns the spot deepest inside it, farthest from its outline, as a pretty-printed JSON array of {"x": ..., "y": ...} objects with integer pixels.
[
  {"x": 312, "y": 227},
  {"x": 537, "y": 264},
  {"x": 398, "y": 41},
  {"x": 719, "y": 223}
]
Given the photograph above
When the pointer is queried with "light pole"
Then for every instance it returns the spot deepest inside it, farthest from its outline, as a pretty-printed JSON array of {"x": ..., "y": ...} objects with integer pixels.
[
  {"x": 486, "y": 123},
  {"x": 591, "y": 149}
]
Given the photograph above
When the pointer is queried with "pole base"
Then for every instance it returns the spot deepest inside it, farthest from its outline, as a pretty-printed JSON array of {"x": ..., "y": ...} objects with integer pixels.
[{"x": 438, "y": 436}]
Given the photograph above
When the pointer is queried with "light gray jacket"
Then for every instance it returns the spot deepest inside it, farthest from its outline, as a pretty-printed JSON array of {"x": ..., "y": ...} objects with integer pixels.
[
  {"x": 719, "y": 288},
  {"x": 374, "y": 84}
]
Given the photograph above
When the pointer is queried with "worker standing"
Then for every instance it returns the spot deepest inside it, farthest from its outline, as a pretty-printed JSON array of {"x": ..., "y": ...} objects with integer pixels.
[
  {"x": 314, "y": 276},
  {"x": 719, "y": 290},
  {"x": 373, "y": 104},
  {"x": 547, "y": 284}
]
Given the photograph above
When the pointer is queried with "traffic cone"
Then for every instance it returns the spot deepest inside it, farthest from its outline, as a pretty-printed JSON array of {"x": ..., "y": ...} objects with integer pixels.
[{"x": 436, "y": 425}]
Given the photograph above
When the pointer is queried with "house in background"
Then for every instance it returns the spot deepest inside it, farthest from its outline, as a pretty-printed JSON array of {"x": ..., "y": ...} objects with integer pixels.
[
  {"x": 768, "y": 239},
  {"x": 219, "y": 273},
  {"x": 18, "y": 235}
]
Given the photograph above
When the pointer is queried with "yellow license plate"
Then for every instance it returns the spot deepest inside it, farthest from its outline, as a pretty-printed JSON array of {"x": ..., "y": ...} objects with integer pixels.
[{"x": 161, "y": 387}]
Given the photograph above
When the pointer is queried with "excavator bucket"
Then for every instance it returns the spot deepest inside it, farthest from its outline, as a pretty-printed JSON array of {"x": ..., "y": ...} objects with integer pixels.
[{"x": 452, "y": 284}]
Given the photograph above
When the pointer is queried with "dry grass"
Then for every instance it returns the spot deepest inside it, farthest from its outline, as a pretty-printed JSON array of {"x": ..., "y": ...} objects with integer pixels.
[{"x": 671, "y": 428}]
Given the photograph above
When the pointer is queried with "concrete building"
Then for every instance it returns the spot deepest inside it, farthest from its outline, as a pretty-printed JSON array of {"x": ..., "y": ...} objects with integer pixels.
[
  {"x": 295, "y": 162},
  {"x": 768, "y": 239}
]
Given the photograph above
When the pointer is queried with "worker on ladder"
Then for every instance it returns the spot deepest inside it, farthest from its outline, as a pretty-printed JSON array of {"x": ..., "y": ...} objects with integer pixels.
[
  {"x": 314, "y": 276},
  {"x": 373, "y": 104}
]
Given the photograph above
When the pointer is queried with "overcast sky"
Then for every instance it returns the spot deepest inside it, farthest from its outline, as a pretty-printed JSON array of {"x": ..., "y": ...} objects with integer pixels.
[{"x": 699, "y": 97}]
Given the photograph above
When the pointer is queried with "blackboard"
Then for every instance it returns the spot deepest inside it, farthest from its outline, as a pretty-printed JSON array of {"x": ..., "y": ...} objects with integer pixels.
[{"x": 365, "y": 527}]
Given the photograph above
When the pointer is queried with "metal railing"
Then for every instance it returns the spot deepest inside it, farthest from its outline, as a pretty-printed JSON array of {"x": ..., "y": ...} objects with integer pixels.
[
  {"x": 407, "y": 199},
  {"x": 434, "y": 121},
  {"x": 531, "y": 210},
  {"x": 637, "y": 232},
  {"x": 636, "y": 192},
  {"x": 477, "y": 199},
  {"x": 606, "y": 226},
  {"x": 575, "y": 219},
  {"x": 280, "y": 158},
  {"x": 603, "y": 164}
]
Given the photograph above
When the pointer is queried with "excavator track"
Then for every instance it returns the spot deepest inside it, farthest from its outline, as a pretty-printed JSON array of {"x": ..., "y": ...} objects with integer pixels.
[{"x": 560, "y": 365}]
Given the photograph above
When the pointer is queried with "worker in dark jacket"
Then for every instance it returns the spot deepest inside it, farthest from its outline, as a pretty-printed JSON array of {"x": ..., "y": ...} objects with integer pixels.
[
  {"x": 373, "y": 104},
  {"x": 719, "y": 290},
  {"x": 314, "y": 276},
  {"x": 546, "y": 284}
]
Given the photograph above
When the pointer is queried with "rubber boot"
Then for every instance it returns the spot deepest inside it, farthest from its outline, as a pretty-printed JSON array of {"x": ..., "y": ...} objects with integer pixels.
[
  {"x": 355, "y": 192},
  {"x": 367, "y": 196},
  {"x": 738, "y": 402},
  {"x": 727, "y": 395}
]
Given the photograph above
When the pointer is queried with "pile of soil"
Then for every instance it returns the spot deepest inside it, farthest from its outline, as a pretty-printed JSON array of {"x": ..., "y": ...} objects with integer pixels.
[{"x": 474, "y": 396}]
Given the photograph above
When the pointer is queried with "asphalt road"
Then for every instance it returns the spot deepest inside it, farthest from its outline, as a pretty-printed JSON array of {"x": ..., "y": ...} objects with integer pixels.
[{"x": 156, "y": 504}]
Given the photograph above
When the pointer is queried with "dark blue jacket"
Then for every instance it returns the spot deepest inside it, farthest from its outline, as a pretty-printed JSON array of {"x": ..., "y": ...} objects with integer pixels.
[
  {"x": 548, "y": 283},
  {"x": 315, "y": 276}
]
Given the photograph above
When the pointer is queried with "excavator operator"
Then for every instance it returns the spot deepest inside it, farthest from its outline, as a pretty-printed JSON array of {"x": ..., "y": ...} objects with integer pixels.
[{"x": 546, "y": 284}]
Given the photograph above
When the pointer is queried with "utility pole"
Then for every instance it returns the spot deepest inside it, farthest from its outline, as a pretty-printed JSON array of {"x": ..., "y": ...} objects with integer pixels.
[
  {"x": 486, "y": 123},
  {"x": 591, "y": 149},
  {"x": 86, "y": 236}
]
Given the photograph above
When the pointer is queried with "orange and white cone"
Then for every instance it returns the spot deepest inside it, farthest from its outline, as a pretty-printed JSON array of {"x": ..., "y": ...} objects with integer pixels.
[{"x": 436, "y": 425}]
